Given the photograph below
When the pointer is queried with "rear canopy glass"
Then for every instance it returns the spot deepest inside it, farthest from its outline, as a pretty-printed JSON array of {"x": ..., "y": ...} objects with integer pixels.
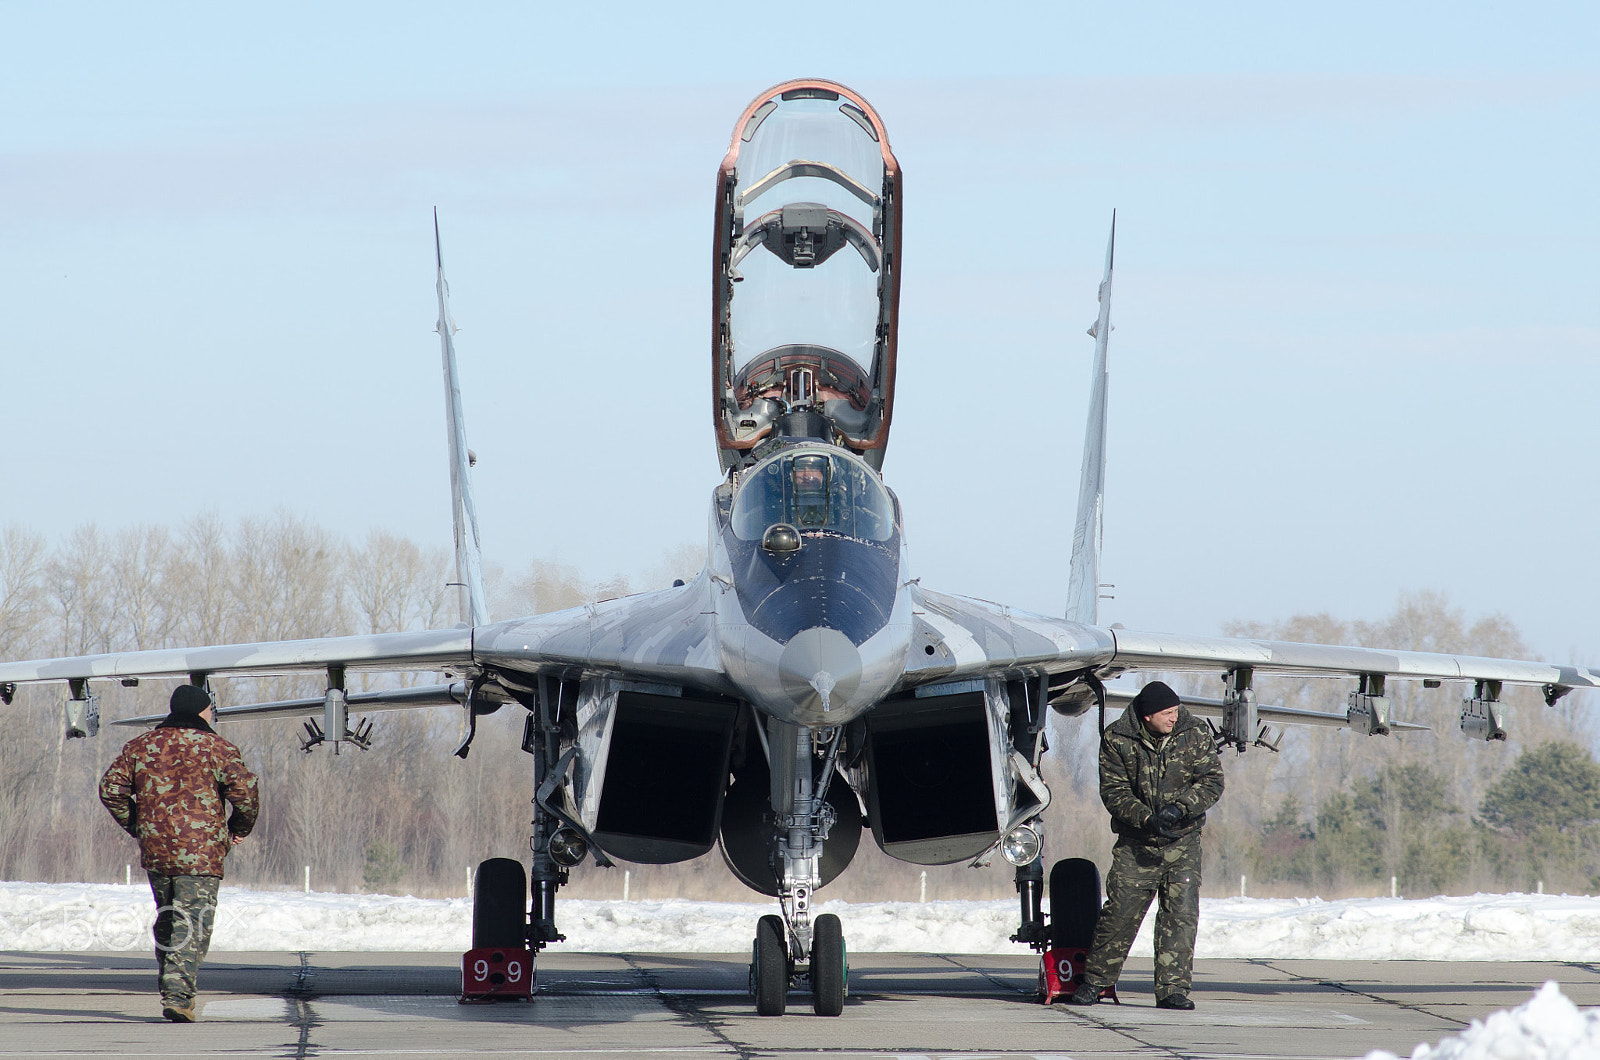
[{"x": 808, "y": 257}]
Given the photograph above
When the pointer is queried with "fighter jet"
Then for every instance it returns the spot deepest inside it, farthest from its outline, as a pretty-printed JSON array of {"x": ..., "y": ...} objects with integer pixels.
[{"x": 804, "y": 687}]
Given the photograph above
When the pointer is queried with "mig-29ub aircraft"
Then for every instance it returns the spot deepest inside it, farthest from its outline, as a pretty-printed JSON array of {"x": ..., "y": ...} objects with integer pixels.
[{"x": 804, "y": 686}]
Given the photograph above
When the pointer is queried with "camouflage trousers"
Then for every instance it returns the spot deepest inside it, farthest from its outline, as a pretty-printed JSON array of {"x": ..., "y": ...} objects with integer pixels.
[
  {"x": 186, "y": 909},
  {"x": 1171, "y": 875}
]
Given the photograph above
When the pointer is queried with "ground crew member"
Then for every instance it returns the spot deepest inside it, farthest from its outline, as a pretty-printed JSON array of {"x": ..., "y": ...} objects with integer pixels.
[
  {"x": 1159, "y": 774},
  {"x": 167, "y": 790}
]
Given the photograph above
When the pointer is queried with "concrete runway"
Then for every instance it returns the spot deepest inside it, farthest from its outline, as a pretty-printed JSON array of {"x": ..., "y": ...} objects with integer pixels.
[{"x": 400, "y": 1005}]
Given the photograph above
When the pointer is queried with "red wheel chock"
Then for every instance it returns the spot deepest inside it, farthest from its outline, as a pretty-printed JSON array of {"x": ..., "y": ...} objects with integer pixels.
[
  {"x": 1060, "y": 972},
  {"x": 496, "y": 973}
]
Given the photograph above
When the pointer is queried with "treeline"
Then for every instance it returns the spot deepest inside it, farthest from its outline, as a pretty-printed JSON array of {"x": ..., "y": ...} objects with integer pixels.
[
  {"x": 404, "y": 817},
  {"x": 1535, "y": 826},
  {"x": 1340, "y": 813},
  {"x": 1333, "y": 814}
]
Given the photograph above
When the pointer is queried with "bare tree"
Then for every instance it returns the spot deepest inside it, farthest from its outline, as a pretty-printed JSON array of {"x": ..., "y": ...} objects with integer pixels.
[
  {"x": 78, "y": 586},
  {"x": 199, "y": 584},
  {"x": 138, "y": 569},
  {"x": 395, "y": 585},
  {"x": 22, "y": 569}
]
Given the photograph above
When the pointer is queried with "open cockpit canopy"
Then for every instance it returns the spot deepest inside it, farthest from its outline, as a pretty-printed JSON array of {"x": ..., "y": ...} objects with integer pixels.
[{"x": 805, "y": 275}]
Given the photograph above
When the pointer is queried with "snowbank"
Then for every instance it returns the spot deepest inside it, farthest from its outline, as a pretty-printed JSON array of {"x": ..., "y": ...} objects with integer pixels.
[
  {"x": 1480, "y": 927},
  {"x": 1546, "y": 1027},
  {"x": 1516, "y": 927}
]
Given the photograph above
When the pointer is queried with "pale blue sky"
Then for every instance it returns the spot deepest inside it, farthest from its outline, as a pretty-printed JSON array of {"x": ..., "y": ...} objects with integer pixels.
[{"x": 1358, "y": 317}]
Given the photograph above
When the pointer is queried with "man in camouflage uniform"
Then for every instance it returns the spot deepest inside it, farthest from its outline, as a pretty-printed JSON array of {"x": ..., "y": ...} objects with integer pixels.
[
  {"x": 1159, "y": 774},
  {"x": 167, "y": 790}
]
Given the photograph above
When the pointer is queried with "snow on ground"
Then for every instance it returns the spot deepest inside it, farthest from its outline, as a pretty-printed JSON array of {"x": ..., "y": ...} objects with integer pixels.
[
  {"x": 1479, "y": 927},
  {"x": 1546, "y": 1027},
  {"x": 1484, "y": 927}
]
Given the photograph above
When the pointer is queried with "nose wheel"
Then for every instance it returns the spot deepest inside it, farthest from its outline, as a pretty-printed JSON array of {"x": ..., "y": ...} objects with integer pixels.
[
  {"x": 769, "y": 967},
  {"x": 829, "y": 968},
  {"x": 773, "y": 969}
]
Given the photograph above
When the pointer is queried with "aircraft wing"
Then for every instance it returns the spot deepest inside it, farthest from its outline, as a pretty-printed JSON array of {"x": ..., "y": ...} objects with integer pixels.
[
  {"x": 426, "y": 650},
  {"x": 664, "y": 635},
  {"x": 977, "y": 638},
  {"x": 1175, "y": 652},
  {"x": 667, "y": 635}
]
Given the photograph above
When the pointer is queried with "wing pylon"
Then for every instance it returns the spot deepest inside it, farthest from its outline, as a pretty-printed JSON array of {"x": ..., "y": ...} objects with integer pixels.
[
  {"x": 452, "y": 694},
  {"x": 1209, "y": 707}
]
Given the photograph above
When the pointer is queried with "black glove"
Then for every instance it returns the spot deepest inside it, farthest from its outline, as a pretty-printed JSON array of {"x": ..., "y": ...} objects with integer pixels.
[{"x": 1165, "y": 820}]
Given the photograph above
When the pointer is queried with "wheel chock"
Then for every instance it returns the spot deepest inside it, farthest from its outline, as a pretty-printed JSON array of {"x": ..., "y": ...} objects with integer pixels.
[
  {"x": 1060, "y": 972},
  {"x": 496, "y": 973}
]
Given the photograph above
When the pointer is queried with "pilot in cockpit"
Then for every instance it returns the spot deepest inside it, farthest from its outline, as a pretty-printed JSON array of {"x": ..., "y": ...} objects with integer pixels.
[{"x": 811, "y": 490}]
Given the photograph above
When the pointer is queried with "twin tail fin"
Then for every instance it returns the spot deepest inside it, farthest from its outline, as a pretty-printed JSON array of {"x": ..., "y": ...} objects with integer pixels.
[
  {"x": 1083, "y": 584},
  {"x": 474, "y": 607}
]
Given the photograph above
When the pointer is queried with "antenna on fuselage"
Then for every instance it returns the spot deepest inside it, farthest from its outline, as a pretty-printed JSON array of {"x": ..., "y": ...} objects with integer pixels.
[
  {"x": 1083, "y": 583},
  {"x": 474, "y": 607}
]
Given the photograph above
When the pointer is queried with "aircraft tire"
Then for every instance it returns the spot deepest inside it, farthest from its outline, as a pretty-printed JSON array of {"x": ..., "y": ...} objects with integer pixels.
[
  {"x": 769, "y": 967},
  {"x": 500, "y": 904},
  {"x": 829, "y": 968},
  {"x": 1074, "y": 902}
]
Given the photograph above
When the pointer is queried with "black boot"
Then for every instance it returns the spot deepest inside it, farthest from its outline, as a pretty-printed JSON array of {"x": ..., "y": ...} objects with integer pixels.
[
  {"x": 1180, "y": 1002},
  {"x": 1086, "y": 994}
]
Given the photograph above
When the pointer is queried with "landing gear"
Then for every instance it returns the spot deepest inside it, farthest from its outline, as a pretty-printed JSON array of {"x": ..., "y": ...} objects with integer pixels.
[
  {"x": 773, "y": 968},
  {"x": 499, "y": 908},
  {"x": 499, "y": 966},
  {"x": 558, "y": 841},
  {"x": 790, "y": 946},
  {"x": 829, "y": 967},
  {"x": 1030, "y": 889},
  {"x": 769, "y": 967},
  {"x": 506, "y": 935},
  {"x": 1074, "y": 911},
  {"x": 1074, "y": 902}
]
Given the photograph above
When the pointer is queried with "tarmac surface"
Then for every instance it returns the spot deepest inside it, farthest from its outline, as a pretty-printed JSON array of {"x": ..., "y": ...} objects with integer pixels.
[{"x": 402, "y": 1005}]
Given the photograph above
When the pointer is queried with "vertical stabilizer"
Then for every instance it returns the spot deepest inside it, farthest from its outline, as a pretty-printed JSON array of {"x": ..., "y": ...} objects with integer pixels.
[
  {"x": 1083, "y": 586},
  {"x": 474, "y": 607}
]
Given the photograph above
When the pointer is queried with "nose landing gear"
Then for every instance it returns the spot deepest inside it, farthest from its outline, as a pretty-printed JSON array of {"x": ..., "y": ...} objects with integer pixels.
[
  {"x": 793, "y": 947},
  {"x": 774, "y": 970}
]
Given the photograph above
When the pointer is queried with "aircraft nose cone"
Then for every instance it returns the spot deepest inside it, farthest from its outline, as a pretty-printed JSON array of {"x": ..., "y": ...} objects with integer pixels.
[{"x": 820, "y": 670}]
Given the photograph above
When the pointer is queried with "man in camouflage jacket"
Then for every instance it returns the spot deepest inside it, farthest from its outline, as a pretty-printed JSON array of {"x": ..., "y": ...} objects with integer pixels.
[
  {"x": 1159, "y": 774},
  {"x": 169, "y": 789}
]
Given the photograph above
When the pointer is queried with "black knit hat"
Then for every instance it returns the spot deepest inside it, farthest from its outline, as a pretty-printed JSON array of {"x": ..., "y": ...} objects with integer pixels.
[
  {"x": 1153, "y": 698},
  {"x": 189, "y": 699}
]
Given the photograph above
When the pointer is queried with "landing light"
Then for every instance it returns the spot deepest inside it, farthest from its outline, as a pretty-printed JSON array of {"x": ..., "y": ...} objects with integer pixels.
[
  {"x": 567, "y": 847},
  {"x": 1021, "y": 846}
]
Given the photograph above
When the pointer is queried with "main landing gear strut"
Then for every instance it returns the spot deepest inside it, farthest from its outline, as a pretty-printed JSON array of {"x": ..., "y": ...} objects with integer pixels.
[
  {"x": 506, "y": 938},
  {"x": 792, "y": 948}
]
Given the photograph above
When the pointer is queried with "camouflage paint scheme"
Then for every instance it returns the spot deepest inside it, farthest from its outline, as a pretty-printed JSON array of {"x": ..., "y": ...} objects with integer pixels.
[
  {"x": 805, "y": 686},
  {"x": 1139, "y": 774},
  {"x": 169, "y": 789}
]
